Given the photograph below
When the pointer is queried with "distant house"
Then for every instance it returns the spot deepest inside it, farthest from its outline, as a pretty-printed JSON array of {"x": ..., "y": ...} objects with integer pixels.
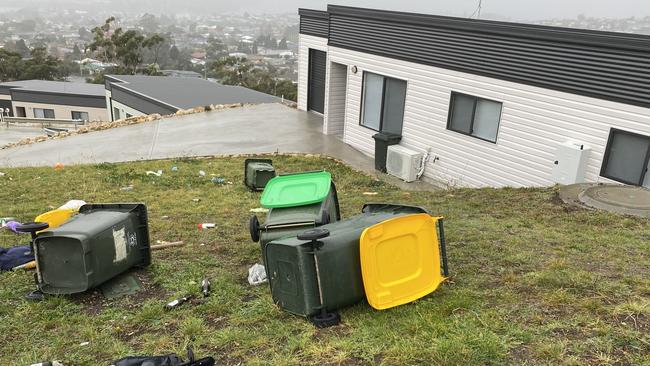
[
  {"x": 53, "y": 99},
  {"x": 136, "y": 95},
  {"x": 495, "y": 103}
]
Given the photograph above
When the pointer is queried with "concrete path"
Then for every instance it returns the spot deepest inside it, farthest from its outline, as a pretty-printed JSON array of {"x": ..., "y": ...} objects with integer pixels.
[
  {"x": 628, "y": 200},
  {"x": 15, "y": 133},
  {"x": 263, "y": 128}
]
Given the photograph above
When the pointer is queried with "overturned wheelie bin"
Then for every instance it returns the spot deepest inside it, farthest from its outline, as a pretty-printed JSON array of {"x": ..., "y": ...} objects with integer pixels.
[
  {"x": 98, "y": 244},
  {"x": 322, "y": 270},
  {"x": 296, "y": 202}
]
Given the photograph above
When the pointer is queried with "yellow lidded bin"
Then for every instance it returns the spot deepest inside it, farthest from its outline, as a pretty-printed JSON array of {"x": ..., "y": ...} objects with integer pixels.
[{"x": 400, "y": 260}]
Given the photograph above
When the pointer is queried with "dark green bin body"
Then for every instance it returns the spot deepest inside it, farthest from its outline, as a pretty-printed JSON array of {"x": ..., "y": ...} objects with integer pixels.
[
  {"x": 292, "y": 271},
  {"x": 291, "y": 221},
  {"x": 101, "y": 242},
  {"x": 258, "y": 172}
]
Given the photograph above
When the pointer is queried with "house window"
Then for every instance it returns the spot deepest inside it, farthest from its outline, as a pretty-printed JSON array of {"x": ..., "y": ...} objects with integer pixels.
[
  {"x": 80, "y": 116},
  {"x": 116, "y": 114},
  {"x": 128, "y": 115},
  {"x": 626, "y": 158},
  {"x": 20, "y": 112},
  {"x": 43, "y": 113},
  {"x": 382, "y": 104},
  {"x": 474, "y": 116}
]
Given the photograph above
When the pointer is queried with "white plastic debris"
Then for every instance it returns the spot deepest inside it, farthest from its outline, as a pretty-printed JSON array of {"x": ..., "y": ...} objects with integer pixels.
[
  {"x": 201, "y": 173},
  {"x": 157, "y": 174},
  {"x": 259, "y": 210},
  {"x": 257, "y": 274},
  {"x": 72, "y": 205}
]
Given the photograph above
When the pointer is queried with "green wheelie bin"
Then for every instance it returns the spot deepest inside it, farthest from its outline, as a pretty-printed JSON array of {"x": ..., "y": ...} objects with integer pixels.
[
  {"x": 98, "y": 244},
  {"x": 257, "y": 173},
  {"x": 296, "y": 202},
  {"x": 318, "y": 271}
]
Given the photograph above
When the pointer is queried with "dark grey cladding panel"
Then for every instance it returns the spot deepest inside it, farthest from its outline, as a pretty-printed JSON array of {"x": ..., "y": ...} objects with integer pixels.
[
  {"x": 91, "y": 101},
  {"x": 314, "y": 22},
  {"x": 5, "y": 90},
  {"x": 139, "y": 102},
  {"x": 604, "y": 65}
]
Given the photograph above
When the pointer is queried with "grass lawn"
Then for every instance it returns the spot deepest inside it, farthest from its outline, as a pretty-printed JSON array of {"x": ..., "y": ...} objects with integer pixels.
[{"x": 533, "y": 282}]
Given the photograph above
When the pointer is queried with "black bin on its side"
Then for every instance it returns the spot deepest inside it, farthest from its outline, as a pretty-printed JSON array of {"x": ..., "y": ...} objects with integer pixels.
[{"x": 382, "y": 141}]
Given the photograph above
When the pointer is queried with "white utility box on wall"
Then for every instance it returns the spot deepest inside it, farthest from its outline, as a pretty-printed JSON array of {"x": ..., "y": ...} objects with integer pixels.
[
  {"x": 403, "y": 163},
  {"x": 570, "y": 163}
]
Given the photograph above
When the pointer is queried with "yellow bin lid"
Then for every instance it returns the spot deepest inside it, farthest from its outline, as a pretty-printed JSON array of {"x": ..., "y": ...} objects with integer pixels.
[
  {"x": 56, "y": 218},
  {"x": 400, "y": 260}
]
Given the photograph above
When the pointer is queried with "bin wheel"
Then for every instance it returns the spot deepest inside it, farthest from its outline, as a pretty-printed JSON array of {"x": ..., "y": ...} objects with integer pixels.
[
  {"x": 32, "y": 227},
  {"x": 325, "y": 320},
  {"x": 254, "y": 227},
  {"x": 314, "y": 234}
]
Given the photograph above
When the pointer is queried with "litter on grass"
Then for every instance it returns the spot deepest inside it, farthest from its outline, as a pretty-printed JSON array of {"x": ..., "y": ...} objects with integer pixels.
[
  {"x": 259, "y": 210},
  {"x": 157, "y": 174},
  {"x": 257, "y": 274},
  {"x": 370, "y": 193}
]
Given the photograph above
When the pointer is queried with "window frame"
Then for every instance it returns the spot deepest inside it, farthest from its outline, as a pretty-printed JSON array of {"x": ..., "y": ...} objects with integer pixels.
[
  {"x": 44, "y": 114},
  {"x": 383, "y": 99},
  {"x": 471, "y": 126},
  {"x": 80, "y": 119},
  {"x": 610, "y": 140},
  {"x": 23, "y": 111}
]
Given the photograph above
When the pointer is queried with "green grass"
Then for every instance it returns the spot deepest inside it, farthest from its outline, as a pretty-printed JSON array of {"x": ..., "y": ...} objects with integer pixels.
[{"x": 533, "y": 282}]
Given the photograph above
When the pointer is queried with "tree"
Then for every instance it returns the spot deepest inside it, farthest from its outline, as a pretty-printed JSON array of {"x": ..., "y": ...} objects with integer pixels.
[
  {"x": 128, "y": 47},
  {"x": 215, "y": 48},
  {"x": 42, "y": 66},
  {"x": 102, "y": 43},
  {"x": 22, "y": 48},
  {"x": 283, "y": 44},
  {"x": 85, "y": 34},
  {"x": 11, "y": 65},
  {"x": 149, "y": 23},
  {"x": 239, "y": 71},
  {"x": 174, "y": 53},
  {"x": 154, "y": 43},
  {"x": 76, "y": 52}
]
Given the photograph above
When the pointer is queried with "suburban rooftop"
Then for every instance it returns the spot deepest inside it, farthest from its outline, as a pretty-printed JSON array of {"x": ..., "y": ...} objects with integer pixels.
[
  {"x": 188, "y": 92},
  {"x": 55, "y": 87}
]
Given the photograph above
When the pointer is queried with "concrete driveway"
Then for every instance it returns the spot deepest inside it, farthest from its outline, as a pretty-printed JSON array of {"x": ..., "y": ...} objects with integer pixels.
[{"x": 263, "y": 128}]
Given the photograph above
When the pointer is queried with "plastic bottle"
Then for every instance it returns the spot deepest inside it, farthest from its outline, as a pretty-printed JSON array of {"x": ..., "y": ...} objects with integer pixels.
[{"x": 206, "y": 225}]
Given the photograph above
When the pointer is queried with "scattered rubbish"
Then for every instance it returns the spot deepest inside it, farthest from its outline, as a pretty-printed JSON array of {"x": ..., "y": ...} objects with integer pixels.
[
  {"x": 171, "y": 359},
  {"x": 257, "y": 274},
  {"x": 58, "y": 166},
  {"x": 178, "y": 302},
  {"x": 2, "y": 174},
  {"x": 11, "y": 258},
  {"x": 370, "y": 193},
  {"x": 174, "y": 168},
  {"x": 127, "y": 188},
  {"x": 72, "y": 205},
  {"x": 164, "y": 217},
  {"x": 201, "y": 173},
  {"x": 157, "y": 174},
  {"x": 259, "y": 210},
  {"x": 84, "y": 343},
  {"x": 5, "y": 220},
  {"x": 206, "y": 225},
  {"x": 48, "y": 363},
  {"x": 124, "y": 285},
  {"x": 205, "y": 287},
  {"x": 166, "y": 244},
  {"x": 13, "y": 226},
  {"x": 218, "y": 180},
  {"x": 196, "y": 200},
  {"x": 27, "y": 266}
]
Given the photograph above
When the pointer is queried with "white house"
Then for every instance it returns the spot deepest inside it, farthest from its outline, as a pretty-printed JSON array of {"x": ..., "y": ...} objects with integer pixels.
[{"x": 496, "y": 104}]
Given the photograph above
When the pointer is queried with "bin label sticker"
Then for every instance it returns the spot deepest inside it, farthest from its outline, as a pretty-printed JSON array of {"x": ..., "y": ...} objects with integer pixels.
[{"x": 119, "y": 239}]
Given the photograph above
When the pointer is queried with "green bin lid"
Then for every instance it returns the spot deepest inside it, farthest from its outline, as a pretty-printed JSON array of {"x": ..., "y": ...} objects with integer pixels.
[{"x": 296, "y": 189}]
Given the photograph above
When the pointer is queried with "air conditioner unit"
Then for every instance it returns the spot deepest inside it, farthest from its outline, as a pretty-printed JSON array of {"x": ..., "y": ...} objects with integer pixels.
[{"x": 403, "y": 163}]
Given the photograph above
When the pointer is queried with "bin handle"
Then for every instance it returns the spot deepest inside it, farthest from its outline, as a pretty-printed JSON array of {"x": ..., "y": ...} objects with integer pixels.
[{"x": 443, "y": 246}]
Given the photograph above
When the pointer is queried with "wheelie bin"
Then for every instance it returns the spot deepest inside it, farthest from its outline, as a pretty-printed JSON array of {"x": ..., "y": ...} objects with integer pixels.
[
  {"x": 257, "y": 173},
  {"x": 296, "y": 202},
  {"x": 101, "y": 242},
  {"x": 319, "y": 271}
]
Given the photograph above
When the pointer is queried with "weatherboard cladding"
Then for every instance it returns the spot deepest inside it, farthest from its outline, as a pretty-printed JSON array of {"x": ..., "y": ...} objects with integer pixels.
[
  {"x": 92, "y": 101},
  {"x": 611, "y": 66},
  {"x": 314, "y": 22}
]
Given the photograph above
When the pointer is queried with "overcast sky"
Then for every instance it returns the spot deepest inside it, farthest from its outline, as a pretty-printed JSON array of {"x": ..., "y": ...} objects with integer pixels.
[{"x": 512, "y": 9}]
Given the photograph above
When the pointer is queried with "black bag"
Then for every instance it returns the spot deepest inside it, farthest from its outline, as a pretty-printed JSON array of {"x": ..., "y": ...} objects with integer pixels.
[{"x": 167, "y": 360}]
